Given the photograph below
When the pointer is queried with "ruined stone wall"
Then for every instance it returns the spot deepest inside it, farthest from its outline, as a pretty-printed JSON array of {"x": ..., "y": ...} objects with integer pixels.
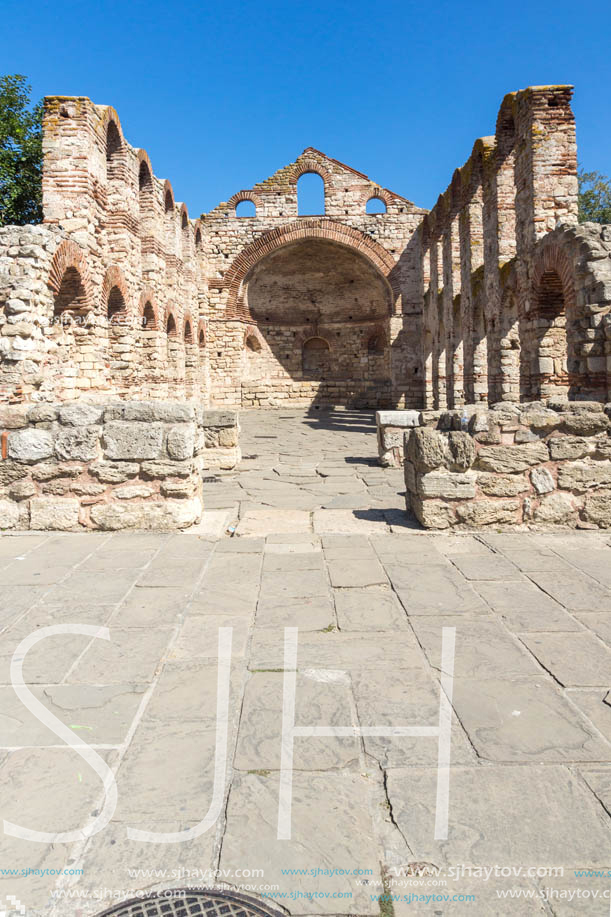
[
  {"x": 515, "y": 292},
  {"x": 240, "y": 254},
  {"x": 109, "y": 284},
  {"x": 527, "y": 464},
  {"x": 124, "y": 465}
]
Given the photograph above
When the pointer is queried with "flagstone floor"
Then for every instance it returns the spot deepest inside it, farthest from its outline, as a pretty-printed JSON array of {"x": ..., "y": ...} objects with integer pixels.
[{"x": 317, "y": 540}]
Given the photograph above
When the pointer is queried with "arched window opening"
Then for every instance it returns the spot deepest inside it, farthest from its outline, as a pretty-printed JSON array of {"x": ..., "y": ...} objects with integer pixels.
[
  {"x": 71, "y": 295},
  {"x": 149, "y": 323},
  {"x": 202, "y": 338},
  {"x": 375, "y": 205},
  {"x": 115, "y": 308},
  {"x": 310, "y": 194},
  {"x": 375, "y": 344},
  {"x": 145, "y": 185},
  {"x": 253, "y": 344},
  {"x": 245, "y": 209},
  {"x": 188, "y": 333},
  {"x": 550, "y": 365},
  {"x": 198, "y": 237},
  {"x": 315, "y": 356},
  {"x": 168, "y": 202},
  {"x": 170, "y": 327},
  {"x": 184, "y": 221},
  {"x": 550, "y": 296},
  {"x": 113, "y": 149}
]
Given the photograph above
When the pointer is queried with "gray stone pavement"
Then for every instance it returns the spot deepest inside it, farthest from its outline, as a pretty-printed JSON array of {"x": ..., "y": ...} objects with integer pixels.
[{"x": 530, "y": 784}]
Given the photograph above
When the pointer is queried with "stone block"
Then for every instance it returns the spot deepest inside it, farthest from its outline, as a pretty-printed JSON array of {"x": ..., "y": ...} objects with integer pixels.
[
  {"x": 178, "y": 489},
  {"x": 151, "y": 412},
  {"x": 568, "y": 447},
  {"x": 158, "y": 515},
  {"x": 432, "y": 514},
  {"x": 22, "y": 490},
  {"x": 54, "y": 513},
  {"x": 489, "y": 512},
  {"x": 398, "y": 418},
  {"x": 13, "y": 417},
  {"x": 30, "y": 446},
  {"x": 77, "y": 414},
  {"x": 501, "y": 485},
  {"x": 228, "y": 437},
  {"x": 597, "y": 509},
  {"x": 132, "y": 440},
  {"x": 511, "y": 458},
  {"x": 42, "y": 413},
  {"x": 556, "y": 508},
  {"x": 132, "y": 492},
  {"x": 9, "y": 514},
  {"x": 427, "y": 449},
  {"x": 47, "y": 471},
  {"x": 447, "y": 485},
  {"x": 87, "y": 489},
  {"x": 114, "y": 472},
  {"x": 542, "y": 480},
  {"x": 586, "y": 423},
  {"x": 219, "y": 418},
  {"x": 166, "y": 469},
  {"x": 462, "y": 450},
  {"x": 580, "y": 476},
  {"x": 78, "y": 443},
  {"x": 181, "y": 441},
  {"x": 12, "y": 471}
]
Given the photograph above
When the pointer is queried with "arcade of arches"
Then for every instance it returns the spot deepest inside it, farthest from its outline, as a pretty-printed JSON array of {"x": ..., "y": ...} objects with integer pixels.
[{"x": 496, "y": 294}]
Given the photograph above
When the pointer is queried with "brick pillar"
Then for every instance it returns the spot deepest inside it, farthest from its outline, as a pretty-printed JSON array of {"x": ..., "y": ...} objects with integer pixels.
[{"x": 471, "y": 258}]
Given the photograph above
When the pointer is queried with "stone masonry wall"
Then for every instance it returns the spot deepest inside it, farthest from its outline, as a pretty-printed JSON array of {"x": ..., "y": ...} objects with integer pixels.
[
  {"x": 125, "y": 465},
  {"x": 514, "y": 465}
]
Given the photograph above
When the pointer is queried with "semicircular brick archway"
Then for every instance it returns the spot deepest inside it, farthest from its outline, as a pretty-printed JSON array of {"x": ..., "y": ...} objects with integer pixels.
[{"x": 320, "y": 228}]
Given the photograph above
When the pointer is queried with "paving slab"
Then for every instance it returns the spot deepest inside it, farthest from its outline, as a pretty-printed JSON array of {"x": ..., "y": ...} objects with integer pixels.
[
  {"x": 345, "y": 521},
  {"x": 434, "y": 590},
  {"x": 502, "y": 814},
  {"x": 321, "y": 699},
  {"x": 525, "y": 719},
  {"x": 575, "y": 590},
  {"x": 326, "y": 829},
  {"x": 308, "y": 613},
  {"x": 595, "y": 704},
  {"x": 484, "y": 567},
  {"x": 572, "y": 659},
  {"x": 525, "y": 607},
  {"x": 271, "y": 522},
  {"x": 483, "y": 648},
  {"x": 375, "y": 608}
]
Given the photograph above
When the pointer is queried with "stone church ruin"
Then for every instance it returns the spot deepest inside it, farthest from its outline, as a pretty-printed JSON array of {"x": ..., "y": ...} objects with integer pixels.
[{"x": 132, "y": 333}]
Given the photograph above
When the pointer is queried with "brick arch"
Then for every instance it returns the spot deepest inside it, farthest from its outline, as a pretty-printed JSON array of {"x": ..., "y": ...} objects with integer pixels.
[
  {"x": 184, "y": 213},
  {"x": 201, "y": 327},
  {"x": 167, "y": 186},
  {"x": 114, "y": 278},
  {"x": 197, "y": 228},
  {"x": 311, "y": 228},
  {"x": 554, "y": 258},
  {"x": 252, "y": 331},
  {"x": 303, "y": 166},
  {"x": 170, "y": 312},
  {"x": 110, "y": 114},
  {"x": 148, "y": 296},
  {"x": 251, "y": 196},
  {"x": 376, "y": 193},
  {"x": 188, "y": 319},
  {"x": 69, "y": 255}
]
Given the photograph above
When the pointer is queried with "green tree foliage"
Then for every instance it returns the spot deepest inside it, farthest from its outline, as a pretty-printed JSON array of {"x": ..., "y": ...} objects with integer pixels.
[
  {"x": 20, "y": 153},
  {"x": 594, "y": 197}
]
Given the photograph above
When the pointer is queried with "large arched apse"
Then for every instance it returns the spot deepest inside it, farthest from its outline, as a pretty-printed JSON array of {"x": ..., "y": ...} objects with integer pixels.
[{"x": 319, "y": 290}]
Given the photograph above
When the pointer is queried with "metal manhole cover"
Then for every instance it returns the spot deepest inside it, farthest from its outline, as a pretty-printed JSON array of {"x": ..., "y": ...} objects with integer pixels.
[{"x": 186, "y": 902}]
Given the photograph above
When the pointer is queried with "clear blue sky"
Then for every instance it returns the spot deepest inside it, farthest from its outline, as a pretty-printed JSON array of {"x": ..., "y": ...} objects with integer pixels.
[{"x": 221, "y": 94}]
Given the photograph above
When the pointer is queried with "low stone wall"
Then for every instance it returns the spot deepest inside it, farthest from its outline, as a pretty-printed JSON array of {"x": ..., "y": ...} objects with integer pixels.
[
  {"x": 126, "y": 465},
  {"x": 391, "y": 427},
  {"x": 513, "y": 464}
]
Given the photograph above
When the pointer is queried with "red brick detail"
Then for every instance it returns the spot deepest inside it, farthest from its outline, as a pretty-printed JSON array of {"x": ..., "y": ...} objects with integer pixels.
[
  {"x": 201, "y": 329},
  {"x": 184, "y": 216},
  {"x": 147, "y": 297},
  {"x": 304, "y": 166},
  {"x": 170, "y": 314},
  {"x": 70, "y": 255},
  {"x": 555, "y": 258},
  {"x": 167, "y": 187},
  {"x": 4, "y": 444},
  {"x": 110, "y": 115},
  {"x": 114, "y": 278},
  {"x": 187, "y": 329},
  {"x": 310, "y": 228},
  {"x": 251, "y": 196}
]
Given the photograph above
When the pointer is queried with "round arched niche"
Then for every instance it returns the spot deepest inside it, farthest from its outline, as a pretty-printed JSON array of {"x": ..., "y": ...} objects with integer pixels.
[{"x": 316, "y": 281}]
